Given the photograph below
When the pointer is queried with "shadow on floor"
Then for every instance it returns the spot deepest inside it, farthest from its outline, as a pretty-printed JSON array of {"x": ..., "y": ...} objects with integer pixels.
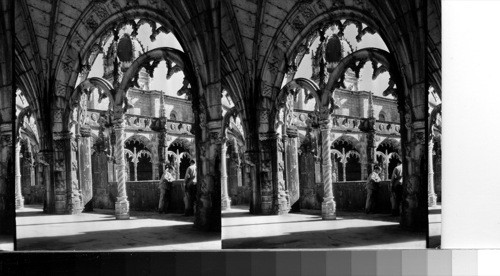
[
  {"x": 36, "y": 211},
  {"x": 137, "y": 232},
  {"x": 120, "y": 239},
  {"x": 31, "y": 213},
  {"x": 315, "y": 215},
  {"x": 339, "y": 238}
]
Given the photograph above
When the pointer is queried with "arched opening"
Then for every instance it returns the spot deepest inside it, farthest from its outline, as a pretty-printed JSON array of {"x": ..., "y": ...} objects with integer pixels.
[
  {"x": 139, "y": 165},
  {"x": 347, "y": 161},
  {"x": 237, "y": 192},
  {"x": 119, "y": 71},
  {"x": 131, "y": 88},
  {"x": 182, "y": 153},
  {"x": 29, "y": 165},
  {"x": 388, "y": 153},
  {"x": 347, "y": 72}
]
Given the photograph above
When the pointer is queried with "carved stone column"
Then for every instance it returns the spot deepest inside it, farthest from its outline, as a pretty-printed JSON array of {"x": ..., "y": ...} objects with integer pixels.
[
  {"x": 415, "y": 194},
  {"x": 68, "y": 198},
  {"x": 208, "y": 205},
  {"x": 44, "y": 159},
  {"x": 226, "y": 201},
  {"x": 363, "y": 158},
  {"x": 370, "y": 151},
  {"x": 135, "y": 160},
  {"x": 155, "y": 170},
  {"x": 430, "y": 179},
  {"x": 122, "y": 204},
  {"x": 274, "y": 195},
  {"x": 343, "y": 160},
  {"x": 292, "y": 169},
  {"x": 177, "y": 162},
  {"x": 250, "y": 160},
  {"x": 154, "y": 157},
  {"x": 73, "y": 186},
  {"x": 162, "y": 152},
  {"x": 85, "y": 166},
  {"x": 238, "y": 161},
  {"x": 31, "y": 167},
  {"x": 386, "y": 166},
  {"x": 328, "y": 211},
  {"x": 18, "y": 189}
]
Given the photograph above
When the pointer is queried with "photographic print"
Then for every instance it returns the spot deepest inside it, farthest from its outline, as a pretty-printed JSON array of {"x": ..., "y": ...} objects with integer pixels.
[
  {"x": 119, "y": 119},
  {"x": 327, "y": 133}
]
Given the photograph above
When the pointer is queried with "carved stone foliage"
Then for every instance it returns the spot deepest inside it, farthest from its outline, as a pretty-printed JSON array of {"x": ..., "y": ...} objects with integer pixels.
[{"x": 264, "y": 116}]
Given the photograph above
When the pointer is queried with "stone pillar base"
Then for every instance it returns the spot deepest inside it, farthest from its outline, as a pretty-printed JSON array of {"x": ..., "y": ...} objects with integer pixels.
[
  {"x": 122, "y": 209},
  {"x": 283, "y": 207},
  {"x": 432, "y": 200},
  {"x": 60, "y": 203},
  {"x": 203, "y": 214},
  {"x": 328, "y": 210},
  {"x": 19, "y": 202},
  {"x": 226, "y": 203},
  {"x": 75, "y": 207},
  {"x": 266, "y": 208}
]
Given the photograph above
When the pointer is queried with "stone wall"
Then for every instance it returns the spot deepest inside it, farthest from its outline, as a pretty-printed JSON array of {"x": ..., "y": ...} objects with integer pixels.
[
  {"x": 142, "y": 195},
  {"x": 349, "y": 196},
  {"x": 355, "y": 104},
  {"x": 148, "y": 104}
]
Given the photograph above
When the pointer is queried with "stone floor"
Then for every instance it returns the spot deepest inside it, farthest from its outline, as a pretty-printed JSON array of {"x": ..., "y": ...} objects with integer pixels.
[
  {"x": 307, "y": 230},
  {"x": 145, "y": 231},
  {"x": 435, "y": 226}
]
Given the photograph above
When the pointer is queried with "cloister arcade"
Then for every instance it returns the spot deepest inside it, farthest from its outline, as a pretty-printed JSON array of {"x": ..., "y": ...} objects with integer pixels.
[
  {"x": 270, "y": 93},
  {"x": 96, "y": 126}
]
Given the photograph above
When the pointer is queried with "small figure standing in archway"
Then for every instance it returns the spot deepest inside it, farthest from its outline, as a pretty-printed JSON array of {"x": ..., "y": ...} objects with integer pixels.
[
  {"x": 166, "y": 189},
  {"x": 190, "y": 189},
  {"x": 396, "y": 188},
  {"x": 372, "y": 186}
]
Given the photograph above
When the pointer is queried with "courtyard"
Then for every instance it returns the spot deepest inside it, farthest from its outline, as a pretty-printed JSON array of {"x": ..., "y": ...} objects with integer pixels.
[
  {"x": 101, "y": 231},
  {"x": 351, "y": 230}
]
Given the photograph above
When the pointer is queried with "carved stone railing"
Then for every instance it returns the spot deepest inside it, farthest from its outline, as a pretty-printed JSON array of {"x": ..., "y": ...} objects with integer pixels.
[
  {"x": 349, "y": 196},
  {"x": 143, "y": 196},
  {"x": 387, "y": 128},
  {"x": 348, "y": 123},
  {"x": 144, "y": 123}
]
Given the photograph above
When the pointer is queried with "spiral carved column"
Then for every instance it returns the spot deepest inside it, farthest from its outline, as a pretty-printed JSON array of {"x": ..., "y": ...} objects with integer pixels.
[
  {"x": 328, "y": 205},
  {"x": 432, "y": 195},
  {"x": 17, "y": 164},
  {"x": 226, "y": 201},
  {"x": 122, "y": 204},
  {"x": 85, "y": 169}
]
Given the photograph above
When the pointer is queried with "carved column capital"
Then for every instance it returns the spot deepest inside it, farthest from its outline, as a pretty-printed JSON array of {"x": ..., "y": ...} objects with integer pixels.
[
  {"x": 292, "y": 132},
  {"x": 85, "y": 131}
]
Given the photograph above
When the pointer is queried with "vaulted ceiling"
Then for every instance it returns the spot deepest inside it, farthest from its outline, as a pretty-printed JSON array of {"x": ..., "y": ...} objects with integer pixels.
[
  {"x": 257, "y": 35},
  {"x": 51, "y": 36}
]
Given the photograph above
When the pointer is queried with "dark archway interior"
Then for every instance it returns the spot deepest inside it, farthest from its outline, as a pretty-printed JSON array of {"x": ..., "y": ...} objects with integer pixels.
[
  {"x": 178, "y": 148},
  {"x": 144, "y": 166},
  {"x": 353, "y": 165},
  {"x": 388, "y": 147}
]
